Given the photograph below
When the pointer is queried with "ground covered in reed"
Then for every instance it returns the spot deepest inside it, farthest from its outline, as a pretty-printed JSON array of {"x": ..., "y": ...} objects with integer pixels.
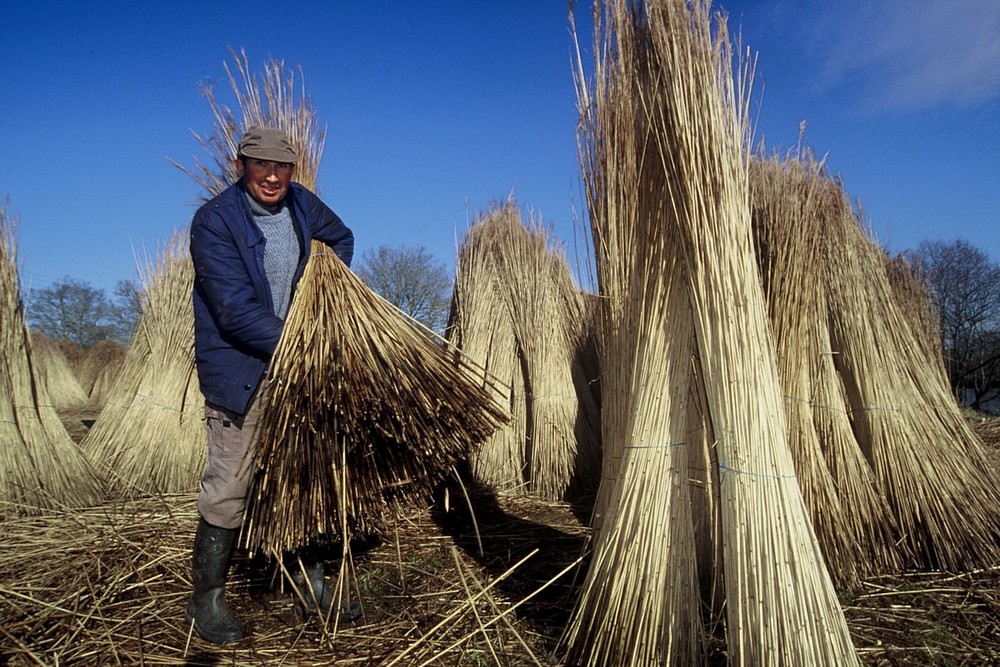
[{"x": 108, "y": 585}]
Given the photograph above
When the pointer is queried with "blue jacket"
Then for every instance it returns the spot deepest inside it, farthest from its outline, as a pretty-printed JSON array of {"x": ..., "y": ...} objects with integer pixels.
[{"x": 235, "y": 328}]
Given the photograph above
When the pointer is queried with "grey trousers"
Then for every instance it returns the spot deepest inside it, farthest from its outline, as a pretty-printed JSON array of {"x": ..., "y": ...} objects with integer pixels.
[{"x": 231, "y": 446}]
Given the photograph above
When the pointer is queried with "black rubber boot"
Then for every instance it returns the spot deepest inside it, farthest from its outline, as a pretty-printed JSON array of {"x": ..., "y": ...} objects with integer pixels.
[
  {"x": 207, "y": 607},
  {"x": 318, "y": 595}
]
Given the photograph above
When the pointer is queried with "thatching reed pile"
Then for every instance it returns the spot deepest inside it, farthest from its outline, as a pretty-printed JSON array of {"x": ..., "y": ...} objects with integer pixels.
[
  {"x": 40, "y": 465},
  {"x": 99, "y": 368},
  {"x": 519, "y": 316},
  {"x": 792, "y": 200},
  {"x": 481, "y": 330},
  {"x": 362, "y": 411},
  {"x": 55, "y": 373},
  {"x": 640, "y": 602},
  {"x": 150, "y": 433},
  {"x": 664, "y": 151},
  {"x": 926, "y": 460},
  {"x": 546, "y": 308},
  {"x": 916, "y": 303}
]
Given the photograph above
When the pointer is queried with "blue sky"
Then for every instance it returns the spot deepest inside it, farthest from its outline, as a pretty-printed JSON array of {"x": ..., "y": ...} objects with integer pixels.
[{"x": 436, "y": 109}]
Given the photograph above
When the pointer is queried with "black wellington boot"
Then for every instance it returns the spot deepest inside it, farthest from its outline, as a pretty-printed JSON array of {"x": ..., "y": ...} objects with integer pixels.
[
  {"x": 207, "y": 607},
  {"x": 318, "y": 595}
]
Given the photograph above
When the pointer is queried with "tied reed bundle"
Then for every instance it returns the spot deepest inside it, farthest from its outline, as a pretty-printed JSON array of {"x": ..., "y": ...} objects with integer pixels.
[
  {"x": 482, "y": 332},
  {"x": 639, "y": 604},
  {"x": 362, "y": 410},
  {"x": 99, "y": 369},
  {"x": 917, "y": 304},
  {"x": 791, "y": 200},
  {"x": 928, "y": 463},
  {"x": 54, "y": 372},
  {"x": 537, "y": 290},
  {"x": 780, "y": 600},
  {"x": 150, "y": 433},
  {"x": 40, "y": 465},
  {"x": 519, "y": 315}
]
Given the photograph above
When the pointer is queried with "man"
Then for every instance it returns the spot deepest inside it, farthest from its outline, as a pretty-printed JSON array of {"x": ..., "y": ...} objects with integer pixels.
[{"x": 249, "y": 246}]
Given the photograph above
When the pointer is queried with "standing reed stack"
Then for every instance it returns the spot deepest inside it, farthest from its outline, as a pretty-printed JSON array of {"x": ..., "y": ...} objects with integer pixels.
[
  {"x": 781, "y": 604},
  {"x": 675, "y": 78},
  {"x": 55, "y": 373},
  {"x": 536, "y": 288},
  {"x": 482, "y": 332},
  {"x": 40, "y": 465},
  {"x": 791, "y": 201},
  {"x": 99, "y": 368},
  {"x": 639, "y": 604},
  {"x": 150, "y": 433},
  {"x": 920, "y": 308},
  {"x": 519, "y": 315},
  {"x": 928, "y": 463}
]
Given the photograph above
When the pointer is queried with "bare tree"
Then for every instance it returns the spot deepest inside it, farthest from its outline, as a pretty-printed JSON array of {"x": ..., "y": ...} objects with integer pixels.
[
  {"x": 411, "y": 279},
  {"x": 965, "y": 284},
  {"x": 72, "y": 310}
]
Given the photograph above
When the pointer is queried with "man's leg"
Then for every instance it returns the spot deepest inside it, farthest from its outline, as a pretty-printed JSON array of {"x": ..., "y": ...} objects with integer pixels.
[{"x": 221, "y": 506}]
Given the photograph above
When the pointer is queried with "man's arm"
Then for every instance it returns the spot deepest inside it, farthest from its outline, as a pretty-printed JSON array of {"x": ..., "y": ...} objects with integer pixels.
[{"x": 326, "y": 226}]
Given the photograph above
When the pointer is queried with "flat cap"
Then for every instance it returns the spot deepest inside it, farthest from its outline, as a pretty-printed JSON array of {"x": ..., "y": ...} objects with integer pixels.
[{"x": 267, "y": 143}]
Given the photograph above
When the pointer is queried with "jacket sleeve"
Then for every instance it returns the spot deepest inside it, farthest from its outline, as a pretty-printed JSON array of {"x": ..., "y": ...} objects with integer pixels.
[
  {"x": 227, "y": 288},
  {"x": 326, "y": 226}
]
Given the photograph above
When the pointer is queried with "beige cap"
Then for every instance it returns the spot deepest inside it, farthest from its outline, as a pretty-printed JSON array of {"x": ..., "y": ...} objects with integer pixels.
[{"x": 267, "y": 143}]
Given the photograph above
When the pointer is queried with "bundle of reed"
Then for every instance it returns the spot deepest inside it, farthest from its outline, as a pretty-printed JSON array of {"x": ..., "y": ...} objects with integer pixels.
[
  {"x": 99, "y": 368},
  {"x": 790, "y": 197},
  {"x": 928, "y": 463},
  {"x": 481, "y": 330},
  {"x": 536, "y": 289},
  {"x": 151, "y": 433},
  {"x": 362, "y": 411},
  {"x": 639, "y": 604},
  {"x": 780, "y": 600},
  {"x": 55, "y": 373},
  {"x": 577, "y": 316},
  {"x": 40, "y": 465},
  {"x": 916, "y": 303}
]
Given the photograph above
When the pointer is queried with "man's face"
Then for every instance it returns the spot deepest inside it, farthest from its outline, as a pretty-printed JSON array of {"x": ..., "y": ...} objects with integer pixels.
[{"x": 266, "y": 181}]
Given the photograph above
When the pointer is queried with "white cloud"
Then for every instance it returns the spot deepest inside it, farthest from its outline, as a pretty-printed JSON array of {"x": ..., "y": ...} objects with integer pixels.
[{"x": 910, "y": 55}]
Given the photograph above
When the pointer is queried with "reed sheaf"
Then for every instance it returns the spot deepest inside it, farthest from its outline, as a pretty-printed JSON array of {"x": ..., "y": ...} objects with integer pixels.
[
  {"x": 666, "y": 124},
  {"x": 639, "y": 603},
  {"x": 40, "y": 466},
  {"x": 99, "y": 368},
  {"x": 480, "y": 329},
  {"x": 362, "y": 411},
  {"x": 792, "y": 200},
  {"x": 540, "y": 298},
  {"x": 150, "y": 434},
  {"x": 928, "y": 463},
  {"x": 54, "y": 370},
  {"x": 518, "y": 314}
]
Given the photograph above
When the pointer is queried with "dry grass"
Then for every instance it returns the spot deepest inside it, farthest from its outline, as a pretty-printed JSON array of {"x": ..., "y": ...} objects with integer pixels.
[{"x": 114, "y": 591}]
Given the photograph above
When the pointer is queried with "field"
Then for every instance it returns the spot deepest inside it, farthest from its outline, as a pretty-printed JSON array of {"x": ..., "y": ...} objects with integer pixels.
[{"x": 441, "y": 586}]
